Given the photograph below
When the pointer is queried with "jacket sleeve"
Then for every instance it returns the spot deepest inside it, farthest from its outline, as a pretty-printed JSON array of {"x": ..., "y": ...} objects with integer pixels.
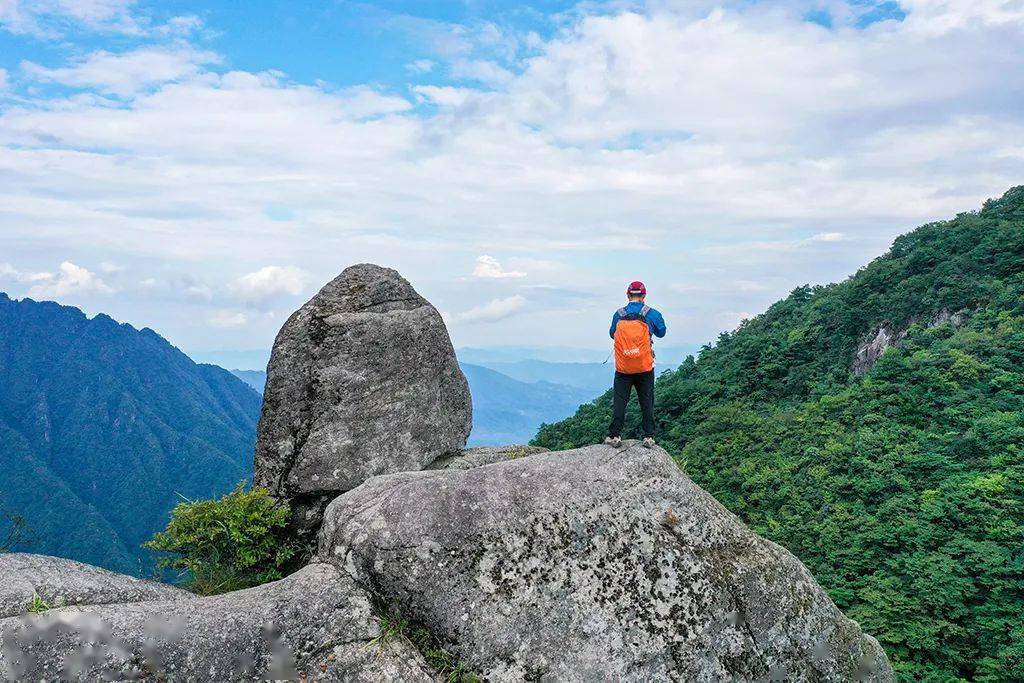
[
  {"x": 658, "y": 324},
  {"x": 615, "y": 321}
]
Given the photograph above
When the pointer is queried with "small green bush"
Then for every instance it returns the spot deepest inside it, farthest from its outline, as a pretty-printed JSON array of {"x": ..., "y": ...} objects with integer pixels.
[
  {"x": 234, "y": 542},
  {"x": 38, "y": 605}
]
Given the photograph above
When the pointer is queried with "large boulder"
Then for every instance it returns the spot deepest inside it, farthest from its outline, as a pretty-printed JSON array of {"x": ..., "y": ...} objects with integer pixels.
[
  {"x": 362, "y": 381},
  {"x": 314, "y": 625},
  {"x": 591, "y": 564}
]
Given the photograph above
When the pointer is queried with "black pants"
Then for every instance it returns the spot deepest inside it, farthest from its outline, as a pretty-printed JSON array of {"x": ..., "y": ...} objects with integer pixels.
[{"x": 644, "y": 383}]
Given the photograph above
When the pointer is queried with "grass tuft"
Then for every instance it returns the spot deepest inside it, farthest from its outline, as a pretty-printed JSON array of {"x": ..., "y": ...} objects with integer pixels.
[{"x": 394, "y": 626}]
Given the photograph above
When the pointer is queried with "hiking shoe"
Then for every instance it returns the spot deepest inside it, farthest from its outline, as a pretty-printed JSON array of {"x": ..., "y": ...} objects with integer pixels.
[
  {"x": 613, "y": 441},
  {"x": 648, "y": 442}
]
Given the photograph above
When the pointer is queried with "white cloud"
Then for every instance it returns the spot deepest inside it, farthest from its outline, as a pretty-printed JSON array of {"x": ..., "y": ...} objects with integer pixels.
[
  {"x": 268, "y": 282},
  {"x": 199, "y": 291},
  {"x": 3, "y": 80},
  {"x": 46, "y": 18},
  {"x": 482, "y": 70},
  {"x": 706, "y": 137},
  {"x": 420, "y": 66},
  {"x": 224, "y": 319},
  {"x": 69, "y": 279},
  {"x": 9, "y": 272},
  {"x": 125, "y": 73},
  {"x": 828, "y": 237},
  {"x": 489, "y": 267},
  {"x": 492, "y": 311}
]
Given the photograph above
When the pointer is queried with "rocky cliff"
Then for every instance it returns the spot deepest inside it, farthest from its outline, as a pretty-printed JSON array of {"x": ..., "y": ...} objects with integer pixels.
[{"x": 582, "y": 565}]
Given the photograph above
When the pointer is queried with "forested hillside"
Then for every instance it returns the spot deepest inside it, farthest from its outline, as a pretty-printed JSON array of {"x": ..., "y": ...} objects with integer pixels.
[
  {"x": 901, "y": 488},
  {"x": 103, "y": 428}
]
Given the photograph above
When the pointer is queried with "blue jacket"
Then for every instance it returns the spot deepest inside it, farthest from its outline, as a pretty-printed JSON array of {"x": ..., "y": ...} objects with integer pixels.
[{"x": 655, "y": 323}]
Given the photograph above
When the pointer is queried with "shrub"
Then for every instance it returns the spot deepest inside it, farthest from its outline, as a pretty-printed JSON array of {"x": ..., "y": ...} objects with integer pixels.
[{"x": 234, "y": 542}]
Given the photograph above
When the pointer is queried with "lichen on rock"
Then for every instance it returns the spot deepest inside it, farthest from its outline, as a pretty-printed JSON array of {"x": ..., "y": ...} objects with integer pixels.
[{"x": 559, "y": 565}]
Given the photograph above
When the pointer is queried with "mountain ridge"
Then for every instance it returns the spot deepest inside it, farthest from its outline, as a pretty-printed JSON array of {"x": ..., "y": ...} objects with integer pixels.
[{"x": 106, "y": 425}]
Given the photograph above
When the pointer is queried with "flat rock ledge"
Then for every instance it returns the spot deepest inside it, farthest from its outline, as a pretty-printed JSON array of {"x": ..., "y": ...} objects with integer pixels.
[
  {"x": 582, "y": 565},
  {"x": 57, "y": 582}
]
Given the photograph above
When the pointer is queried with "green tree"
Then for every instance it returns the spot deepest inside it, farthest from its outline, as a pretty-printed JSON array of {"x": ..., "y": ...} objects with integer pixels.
[{"x": 234, "y": 542}]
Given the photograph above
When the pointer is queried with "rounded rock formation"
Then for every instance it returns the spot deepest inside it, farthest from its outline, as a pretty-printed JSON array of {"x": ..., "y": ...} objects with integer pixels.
[{"x": 362, "y": 380}]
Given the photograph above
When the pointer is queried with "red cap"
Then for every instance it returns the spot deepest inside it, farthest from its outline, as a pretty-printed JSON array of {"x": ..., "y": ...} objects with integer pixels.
[{"x": 636, "y": 288}]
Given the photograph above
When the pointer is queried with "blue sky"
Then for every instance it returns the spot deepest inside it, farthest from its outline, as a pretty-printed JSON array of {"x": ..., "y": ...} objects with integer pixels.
[{"x": 202, "y": 168}]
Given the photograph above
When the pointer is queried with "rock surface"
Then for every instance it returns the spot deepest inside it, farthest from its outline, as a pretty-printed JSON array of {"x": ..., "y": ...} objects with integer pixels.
[
  {"x": 362, "y": 381},
  {"x": 313, "y": 625},
  {"x": 591, "y": 564},
  {"x": 58, "y": 582},
  {"x": 484, "y": 455},
  {"x": 878, "y": 342}
]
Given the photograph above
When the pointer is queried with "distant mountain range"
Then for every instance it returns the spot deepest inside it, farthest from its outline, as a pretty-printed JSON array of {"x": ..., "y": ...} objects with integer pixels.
[
  {"x": 104, "y": 428},
  {"x": 505, "y": 410},
  {"x": 669, "y": 355}
]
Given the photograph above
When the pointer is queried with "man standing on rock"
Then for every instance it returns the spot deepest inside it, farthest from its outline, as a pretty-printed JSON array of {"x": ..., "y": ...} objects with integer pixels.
[{"x": 632, "y": 328}]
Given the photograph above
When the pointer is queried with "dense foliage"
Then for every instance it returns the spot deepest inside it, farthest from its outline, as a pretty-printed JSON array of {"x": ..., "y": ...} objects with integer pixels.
[
  {"x": 234, "y": 542},
  {"x": 102, "y": 425},
  {"x": 902, "y": 490}
]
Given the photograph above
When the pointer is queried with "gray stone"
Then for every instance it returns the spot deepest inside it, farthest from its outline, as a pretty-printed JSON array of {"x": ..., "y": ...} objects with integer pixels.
[
  {"x": 60, "y": 582},
  {"x": 313, "y": 625},
  {"x": 873, "y": 345},
  {"x": 362, "y": 381},
  {"x": 591, "y": 564},
  {"x": 484, "y": 455}
]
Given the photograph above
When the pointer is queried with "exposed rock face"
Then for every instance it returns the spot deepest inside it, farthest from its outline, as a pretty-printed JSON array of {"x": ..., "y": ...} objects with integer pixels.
[
  {"x": 60, "y": 582},
  {"x": 362, "y": 380},
  {"x": 591, "y": 564},
  {"x": 872, "y": 349},
  {"x": 876, "y": 343},
  {"x": 313, "y": 625}
]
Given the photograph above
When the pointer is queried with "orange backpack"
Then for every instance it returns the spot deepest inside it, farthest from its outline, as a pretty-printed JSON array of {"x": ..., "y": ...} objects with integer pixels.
[{"x": 634, "y": 352}]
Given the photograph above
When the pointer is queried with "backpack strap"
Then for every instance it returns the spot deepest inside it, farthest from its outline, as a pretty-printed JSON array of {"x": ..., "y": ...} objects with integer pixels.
[
  {"x": 622, "y": 312},
  {"x": 644, "y": 311}
]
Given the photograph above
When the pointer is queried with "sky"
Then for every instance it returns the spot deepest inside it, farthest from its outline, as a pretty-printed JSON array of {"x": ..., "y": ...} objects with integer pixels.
[{"x": 203, "y": 168}]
